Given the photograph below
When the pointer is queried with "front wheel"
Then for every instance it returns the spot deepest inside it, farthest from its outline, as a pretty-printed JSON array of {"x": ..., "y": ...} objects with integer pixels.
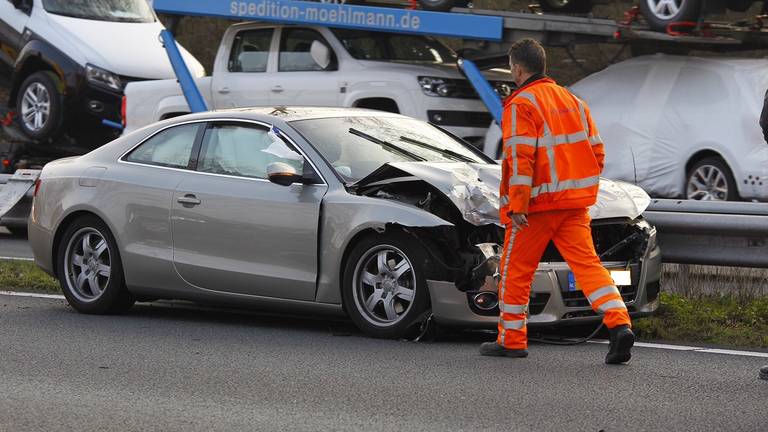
[
  {"x": 40, "y": 106},
  {"x": 89, "y": 269},
  {"x": 710, "y": 179},
  {"x": 566, "y": 6},
  {"x": 660, "y": 13},
  {"x": 384, "y": 287},
  {"x": 442, "y": 5}
]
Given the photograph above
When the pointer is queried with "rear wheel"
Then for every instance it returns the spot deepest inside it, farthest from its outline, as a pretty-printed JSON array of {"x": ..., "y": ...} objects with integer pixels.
[
  {"x": 442, "y": 5},
  {"x": 89, "y": 269},
  {"x": 660, "y": 13},
  {"x": 385, "y": 288},
  {"x": 710, "y": 179},
  {"x": 566, "y": 6}
]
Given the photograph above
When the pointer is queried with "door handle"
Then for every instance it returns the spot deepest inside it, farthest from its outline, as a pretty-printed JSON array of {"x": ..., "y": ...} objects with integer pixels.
[
  {"x": 277, "y": 89},
  {"x": 224, "y": 90},
  {"x": 188, "y": 200}
]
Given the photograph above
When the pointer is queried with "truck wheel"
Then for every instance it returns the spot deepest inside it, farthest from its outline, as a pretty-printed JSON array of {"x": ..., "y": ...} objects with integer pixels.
[
  {"x": 660, "y": 13},
  {"x": 384, "y": 285},
  {"x": 710, "y": 179},
  {"x": 40, "y": 106},
  {"x": 566, "y": 6},
  {"x": 442, "y": 5}
]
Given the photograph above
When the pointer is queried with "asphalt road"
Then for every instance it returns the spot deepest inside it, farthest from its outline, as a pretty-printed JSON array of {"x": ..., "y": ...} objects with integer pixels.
[
  {"x": 13, "y": 247},
  {"x": 171, "y": 368}
]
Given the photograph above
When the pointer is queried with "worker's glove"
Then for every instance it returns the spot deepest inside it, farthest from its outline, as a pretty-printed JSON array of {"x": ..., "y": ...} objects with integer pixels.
[{"x": 519, "y": 220}]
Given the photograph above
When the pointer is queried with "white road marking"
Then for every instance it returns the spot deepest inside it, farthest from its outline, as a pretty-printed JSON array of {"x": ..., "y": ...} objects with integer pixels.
[
  {"x": 16, "y": 258},
  {"x": 694, "y": 349},
  {"x": 34, "y": 295}
]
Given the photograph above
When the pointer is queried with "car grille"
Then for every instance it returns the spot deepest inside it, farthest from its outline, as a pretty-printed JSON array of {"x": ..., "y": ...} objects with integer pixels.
[{"x": 537, "y": 303}]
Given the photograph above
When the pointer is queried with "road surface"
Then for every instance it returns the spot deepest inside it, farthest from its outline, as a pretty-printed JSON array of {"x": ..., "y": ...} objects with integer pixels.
[
  {"x": 171, "y": 368},
  {"x": 13, "y": 247}
]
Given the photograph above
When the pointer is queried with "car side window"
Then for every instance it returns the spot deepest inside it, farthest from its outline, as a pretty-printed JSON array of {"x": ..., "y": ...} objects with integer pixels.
[
  {"x": 171, "y": 147},
  {"x": 295, "y": 47},
  {"x": 250, "y": 51},
  {"x": 244, "y": 151}
]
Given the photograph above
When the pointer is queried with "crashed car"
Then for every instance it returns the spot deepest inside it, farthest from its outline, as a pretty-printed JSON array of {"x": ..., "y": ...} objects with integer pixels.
[{"x": 379, "y": 216}]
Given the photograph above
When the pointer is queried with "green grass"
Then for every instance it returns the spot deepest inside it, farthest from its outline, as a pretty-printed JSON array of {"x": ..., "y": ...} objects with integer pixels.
[
  {"x": 25, "y": 276},
  {"x": 713, "y": 319}
]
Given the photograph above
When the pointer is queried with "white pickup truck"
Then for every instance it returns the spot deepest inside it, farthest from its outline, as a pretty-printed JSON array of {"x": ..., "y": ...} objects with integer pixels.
[{"x": 275, "y": 65}]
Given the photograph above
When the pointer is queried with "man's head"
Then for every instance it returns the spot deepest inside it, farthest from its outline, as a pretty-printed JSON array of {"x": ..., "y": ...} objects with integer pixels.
[{"x": 526, "y": 58}]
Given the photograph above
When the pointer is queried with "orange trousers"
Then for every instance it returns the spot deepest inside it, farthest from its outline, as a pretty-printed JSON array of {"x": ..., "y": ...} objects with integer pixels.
[{"x": 570, "y": 231}]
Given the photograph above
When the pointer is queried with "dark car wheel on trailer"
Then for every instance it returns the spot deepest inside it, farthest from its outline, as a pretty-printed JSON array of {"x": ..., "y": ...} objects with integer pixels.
[
  {"x": 39, "y": 106},
  {"x": 660, "y": 13},
  {"x": 17, "y": 231},
  {"x": 442, "y": 5},
  {"x": 384, "y": 285},
  {"x": 710, "y": 179},
  {"x": 89, "y": 268},
  {"x": 566, "y": 6}
]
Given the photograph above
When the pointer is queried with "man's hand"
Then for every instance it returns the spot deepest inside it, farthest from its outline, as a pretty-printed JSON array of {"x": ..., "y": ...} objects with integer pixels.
[{"x": 519, "y": 220}]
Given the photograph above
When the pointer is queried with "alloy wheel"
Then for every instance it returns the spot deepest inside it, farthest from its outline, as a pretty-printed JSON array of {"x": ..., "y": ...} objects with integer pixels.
[
  {"x": 384, "y": 285},
  {"x": 88, "y": 260},
  {"x": 665, "y": 9},
  {"x": 708, "y": 183},
  {"x": 35, "y": 107}
]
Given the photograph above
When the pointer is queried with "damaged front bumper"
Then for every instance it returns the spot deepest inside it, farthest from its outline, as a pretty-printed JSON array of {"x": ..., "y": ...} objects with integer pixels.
[{"x": 552, "y": 301}]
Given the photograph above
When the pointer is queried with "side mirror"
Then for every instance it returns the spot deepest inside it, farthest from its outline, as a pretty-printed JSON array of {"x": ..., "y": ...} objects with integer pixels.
[
  {"x": 321, "y": 54},
  {"x": 283, "y": 174}
]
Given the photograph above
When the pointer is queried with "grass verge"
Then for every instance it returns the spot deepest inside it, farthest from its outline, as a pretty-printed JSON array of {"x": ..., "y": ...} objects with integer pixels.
[
  {"x": 25, "y": 276},
  {"x": 713, "y": 319}
]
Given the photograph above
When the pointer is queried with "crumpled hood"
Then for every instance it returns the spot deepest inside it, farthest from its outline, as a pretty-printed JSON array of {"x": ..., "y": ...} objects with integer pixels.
[
  {"x": 128, "y": 49},
  {"x": 474, "y": 189}
]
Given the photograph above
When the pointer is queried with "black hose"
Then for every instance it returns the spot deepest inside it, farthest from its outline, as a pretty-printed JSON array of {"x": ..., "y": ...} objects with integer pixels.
[{"x": 568, "y": 342}]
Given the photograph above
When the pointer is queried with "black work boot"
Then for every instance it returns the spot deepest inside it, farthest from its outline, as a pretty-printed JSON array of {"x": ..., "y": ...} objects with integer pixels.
[
  {"x": 495, "y": 350},
  {"x": 764, "y": 372},
  {"x": 621, "y": 339}
]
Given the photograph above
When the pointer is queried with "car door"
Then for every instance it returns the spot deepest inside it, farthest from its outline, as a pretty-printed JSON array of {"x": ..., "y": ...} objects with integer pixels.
[
  {"x": 242, "y": 79},
  {"x": 13, "y": 20},
  {"x": 234, "y": 230},
  {"x": 299, "y": 80}
]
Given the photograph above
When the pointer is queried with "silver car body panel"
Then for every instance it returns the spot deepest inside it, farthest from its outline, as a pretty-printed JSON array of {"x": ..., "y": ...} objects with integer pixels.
[{"x": 298, "y": 244}]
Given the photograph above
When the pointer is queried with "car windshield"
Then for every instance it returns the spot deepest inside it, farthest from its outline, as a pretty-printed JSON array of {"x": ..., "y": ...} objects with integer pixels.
[
  {"x": 356, "y": 146},
  {"x": 367, "y": 45},
  {"x": 135, "y": 11}
]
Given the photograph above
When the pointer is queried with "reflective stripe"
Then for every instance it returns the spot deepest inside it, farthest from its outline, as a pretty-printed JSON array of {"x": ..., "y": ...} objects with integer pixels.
[
  {"x": 532, "y": 99},
  {"x": 613, "y": 304},
  {"x": 596, "y": 140},
  {"x": 513, "y": 325},
  {"x": 563, "y": 186},
  {"x": 570, "y": 138},
  {"x": 604, "y": 291},
  {"x": 504, "y": 200},
  {"x": 520, "y": 180},
  {"x": 547, "y": 140},
  {"x": 521, "y": 140},
  {"x": 514, "y": 309},
  {"x": 583, "y": 114},
  {"x": 513, "y": 133},
  {"x": 505, "y": 271}
]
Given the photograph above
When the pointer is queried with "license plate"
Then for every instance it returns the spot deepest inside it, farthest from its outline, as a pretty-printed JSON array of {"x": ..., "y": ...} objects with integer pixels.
[{"x": 620, "y": 278}]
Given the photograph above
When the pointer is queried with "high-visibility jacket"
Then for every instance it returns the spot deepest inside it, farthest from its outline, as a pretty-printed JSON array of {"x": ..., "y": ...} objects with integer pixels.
[{"x": 553, "y": 154}]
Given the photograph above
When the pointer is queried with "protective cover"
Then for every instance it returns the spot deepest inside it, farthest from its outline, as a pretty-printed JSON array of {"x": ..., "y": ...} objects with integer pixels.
[{"x": 655, "y": 113}]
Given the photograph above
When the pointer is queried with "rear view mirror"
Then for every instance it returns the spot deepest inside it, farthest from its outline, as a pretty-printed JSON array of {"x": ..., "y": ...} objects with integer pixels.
[
  {"x": 321, "y": 54},
  {"x": 283, "y": 174}
]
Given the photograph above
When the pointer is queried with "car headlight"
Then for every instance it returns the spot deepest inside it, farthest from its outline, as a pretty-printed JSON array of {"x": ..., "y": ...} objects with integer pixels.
[
  {"x": 433, "y": 86},
  {"x": 102, "y": 78}
]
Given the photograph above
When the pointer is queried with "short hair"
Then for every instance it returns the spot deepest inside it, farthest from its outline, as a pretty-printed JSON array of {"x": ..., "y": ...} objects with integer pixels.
[{"x": 529, "y": 54}]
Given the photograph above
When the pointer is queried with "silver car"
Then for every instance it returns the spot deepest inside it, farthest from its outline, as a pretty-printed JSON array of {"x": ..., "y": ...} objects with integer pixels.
[{"x": 381, "y": 217}]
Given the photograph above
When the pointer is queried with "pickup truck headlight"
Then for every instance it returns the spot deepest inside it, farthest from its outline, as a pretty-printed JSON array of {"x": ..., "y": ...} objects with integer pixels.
[
  {"x": 433, "y": 86},
  {"x": 102, "y": 78}
]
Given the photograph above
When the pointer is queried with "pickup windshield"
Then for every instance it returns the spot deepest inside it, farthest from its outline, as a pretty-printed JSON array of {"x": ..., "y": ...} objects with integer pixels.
[
  {"x": 367, "y": 45},
  {"x": 135, "y": 11},
  {"x": 356, "y": 146}
]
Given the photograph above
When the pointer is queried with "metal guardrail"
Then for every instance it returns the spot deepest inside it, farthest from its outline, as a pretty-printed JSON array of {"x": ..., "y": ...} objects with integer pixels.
[{"x": 711, "y": 233}]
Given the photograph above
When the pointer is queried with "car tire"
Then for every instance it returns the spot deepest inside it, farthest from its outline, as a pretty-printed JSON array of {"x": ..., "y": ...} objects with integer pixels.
[
  {"x": 393, "y": 297},
  {"x": 89, "y": 269},
  {"x": 660, "y": 13},
  {"x": 710, "y": 179},
  {"x": 17, "y": 231},
  {"x": 442, "y": 5},
  {"x": 566, "y": 6},
  {"x": 40, "y": 104}
]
